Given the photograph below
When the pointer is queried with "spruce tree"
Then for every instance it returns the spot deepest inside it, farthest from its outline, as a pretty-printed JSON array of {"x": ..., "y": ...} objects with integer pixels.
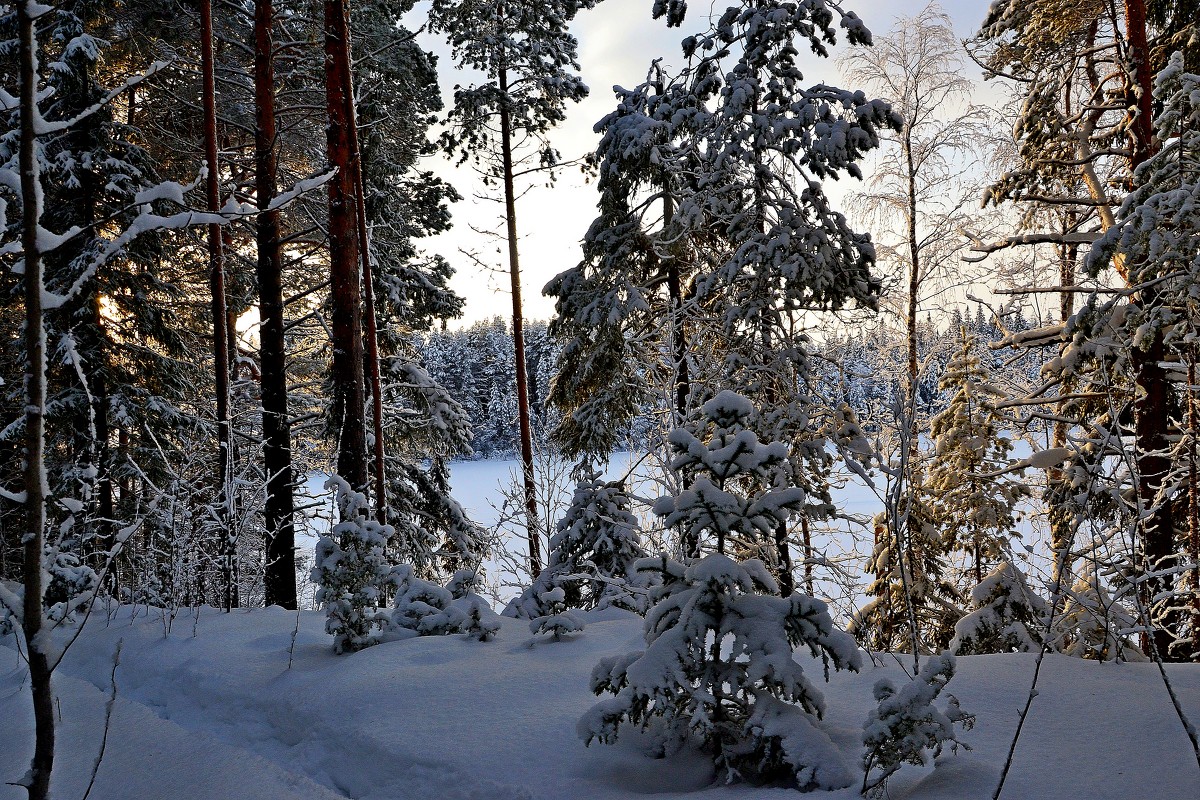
[
  {"x": 718, "y": 669},
  {"x": 968, "y": 484}
]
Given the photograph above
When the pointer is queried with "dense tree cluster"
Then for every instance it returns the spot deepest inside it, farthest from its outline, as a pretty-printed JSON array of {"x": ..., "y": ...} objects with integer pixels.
[{"x": 214, "y": 290}]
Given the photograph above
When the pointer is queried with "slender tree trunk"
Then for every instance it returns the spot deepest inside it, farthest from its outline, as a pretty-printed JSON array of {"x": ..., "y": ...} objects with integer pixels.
[
  {"x": 1193, "y": 505},
  {"x": 683, "y": 385},
  {"x": 914, "y": 278},
  {"x": 1151, "y": 407},
  {"x": 806, "y": 535},
  {"x": 368, "y": 282},
  {"x": 37, "y": 782},
  {"x": 514, "y": 273},
  {"x": 280, "y": 572},
  {"x": 1062, "y": 530},
  {"x": 345, "y": 282},
  {"x": 216, "y": 283}
]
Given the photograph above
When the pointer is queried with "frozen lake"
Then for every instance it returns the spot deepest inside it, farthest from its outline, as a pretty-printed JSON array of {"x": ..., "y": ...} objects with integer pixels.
[{"x": 841, "y": 545}]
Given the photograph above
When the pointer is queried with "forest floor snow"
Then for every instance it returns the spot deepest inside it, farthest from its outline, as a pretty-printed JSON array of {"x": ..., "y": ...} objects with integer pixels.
[{"x": 208, "y": 707}]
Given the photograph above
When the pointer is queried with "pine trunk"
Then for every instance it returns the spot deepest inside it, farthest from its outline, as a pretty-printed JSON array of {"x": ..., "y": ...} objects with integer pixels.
[
  {"x": 280, "y": 570},
  {"x": 345, "y": 283},
  {"x": 368, "y": 282},
  {"x": 216, "y": 284},
  {"x": 1151, "y": 407},
  {"x": 37, "y": 782},
  {"x": 1193, "y": 505},
  {"x": 1062, "y": 530},
  {"x": 514, "y": 272},
  {"x": 683, "y": 385}
]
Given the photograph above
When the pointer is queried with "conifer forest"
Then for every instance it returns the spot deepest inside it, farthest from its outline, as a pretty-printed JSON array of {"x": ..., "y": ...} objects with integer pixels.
[{"x": 556, "y": 399}]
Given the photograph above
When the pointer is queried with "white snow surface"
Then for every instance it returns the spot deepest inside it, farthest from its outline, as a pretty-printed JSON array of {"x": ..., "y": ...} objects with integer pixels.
[{"x": 210, "y": 709}]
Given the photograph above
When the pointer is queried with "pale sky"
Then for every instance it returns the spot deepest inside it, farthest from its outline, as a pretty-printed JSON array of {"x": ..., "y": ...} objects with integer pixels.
[{"x": 617, "y": 42}]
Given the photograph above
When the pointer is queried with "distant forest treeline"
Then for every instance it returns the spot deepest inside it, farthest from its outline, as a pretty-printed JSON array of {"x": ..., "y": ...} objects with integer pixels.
[{"x": 863, "y": 367}]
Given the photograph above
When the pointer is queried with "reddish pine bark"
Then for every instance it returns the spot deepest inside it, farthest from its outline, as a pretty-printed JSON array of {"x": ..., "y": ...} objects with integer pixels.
[
  {"x": 349, "y": 405},
  {"x": 280, "y": 572}
]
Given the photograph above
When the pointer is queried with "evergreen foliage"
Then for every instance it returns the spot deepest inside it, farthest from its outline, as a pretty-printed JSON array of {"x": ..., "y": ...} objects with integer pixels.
[
  {"x": 1094, "y": 623},
  {"x": 907, "y": 728},
  {"x": 740, "y": 490},
  {"x": 968, "y": 481},
  {"x": 718, "y": 668},
  {"x": 591, "y": 554},
  {"x": 351, "y": 570},
  {"x": 1008, "y": 616}
]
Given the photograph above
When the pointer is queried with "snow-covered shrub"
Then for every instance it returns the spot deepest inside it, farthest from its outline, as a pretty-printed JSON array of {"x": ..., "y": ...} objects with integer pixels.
[
  {"x": 481, "y": 623},
  {"x": 718, "y": 668},
  {"x": 423, "y": 606},
  {"x": 72, "y": 585},
  {"x": 351, "y": 570},
  {"x": 592, "y": 553},
  {"x": 463, "y": 583},
  {"x": 1094, "y": 624},
  {"x": 907, "y": 728},
  {"x": 557, "y": 620},
  {"x": 1008, "y": 616}
]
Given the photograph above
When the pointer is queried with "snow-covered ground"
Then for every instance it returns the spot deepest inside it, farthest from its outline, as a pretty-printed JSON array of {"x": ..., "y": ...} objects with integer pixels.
[{"x": 207, "y": 707}]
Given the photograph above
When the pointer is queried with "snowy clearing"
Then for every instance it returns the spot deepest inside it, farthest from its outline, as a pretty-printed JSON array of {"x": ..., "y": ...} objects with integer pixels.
[{"x": 210, "y": 709}]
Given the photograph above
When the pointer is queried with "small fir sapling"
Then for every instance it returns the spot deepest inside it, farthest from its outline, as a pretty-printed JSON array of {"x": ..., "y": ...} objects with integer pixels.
[
  {"x": 477, "y": 626},
  {"x": 1008, "y": 616},
  {"x": 558, "y": 619},
  {"x": 592, "y": 553},
  {"x": 741, "y": 489},
  {"x": 481, "y": 623},
  {"x": 351, "y": 570},
  {"x": 423, "y": 606},
  {"x": 718, "y": 669},
  {"x": 907, "y": 728},
  {"x": 1094, "y": 624}
]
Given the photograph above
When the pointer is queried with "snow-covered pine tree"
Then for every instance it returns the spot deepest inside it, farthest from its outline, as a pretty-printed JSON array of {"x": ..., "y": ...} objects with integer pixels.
[
  {"x": 718, "y": 669},
  {"x": 907, "y": 728},
  {"x": 967, "y": 482},
  {"x": 591, "y": 554},
  {"x": 1094, "y": 623},
  {"x": 732, "y": 150},
  {"x": 351, "y": 570},
  {"x": 1008, "y": 616},
  {"x": 620, "y": 313},
  {"x": 528, "y": 60},
  {"x": 918, "y": 594},
  {"x": 740, "y": 490}
]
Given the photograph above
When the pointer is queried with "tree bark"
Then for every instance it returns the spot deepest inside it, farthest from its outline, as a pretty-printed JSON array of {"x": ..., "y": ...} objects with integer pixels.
[
  {"x": 1152, "y": 404},
  {"x": 216, "y": 284},
  {"x": 1062, "y": 529},
  {"x": 37, "y": 782},
  {"x": 1193, "y": 505},
  {"x": 280, "y": 572},
  {"x": 368, "y": 281},
  {"x": 514, "y": 273},
  {"x": 683, "y": 384},
  {"x": 349, "y": 404}
]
